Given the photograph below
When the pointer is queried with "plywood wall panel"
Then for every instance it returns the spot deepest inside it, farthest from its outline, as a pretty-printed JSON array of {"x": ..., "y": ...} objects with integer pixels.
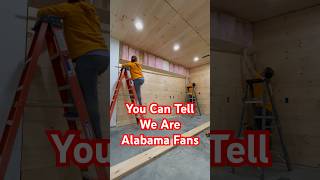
[
  {"x": 226, "y": 83},
  {"x": 163, "y": 89},
  {"x": 290, "y": 45},
  {"x": 201, "y": 76}
]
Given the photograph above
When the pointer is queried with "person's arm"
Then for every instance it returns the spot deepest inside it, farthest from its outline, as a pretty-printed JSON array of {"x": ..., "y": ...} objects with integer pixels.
[
  {"x": 60, "y": 10},
  {"x": 126, "y": 65}
]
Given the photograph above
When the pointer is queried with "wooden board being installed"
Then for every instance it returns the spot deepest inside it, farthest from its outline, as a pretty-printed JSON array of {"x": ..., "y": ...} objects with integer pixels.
[{"x": 128, "y": 166}]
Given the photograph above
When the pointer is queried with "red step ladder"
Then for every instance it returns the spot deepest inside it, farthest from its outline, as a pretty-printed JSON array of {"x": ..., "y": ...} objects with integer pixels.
[
  {"x": 48, "y": 30},
  {"x": 131, "y": 89}
]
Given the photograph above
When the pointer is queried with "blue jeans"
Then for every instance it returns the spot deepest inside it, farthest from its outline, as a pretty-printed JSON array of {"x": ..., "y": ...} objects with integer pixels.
[
  {"x": 137, "y": 85},
  {"x": 88, "y": 68}
]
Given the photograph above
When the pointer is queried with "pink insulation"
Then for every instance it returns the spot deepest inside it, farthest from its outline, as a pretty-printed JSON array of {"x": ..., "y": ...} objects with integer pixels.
[
  {"x": 151, "y": 60},
  {"x": 171, "y": 67},
  {"x": 176, "y": 69},
  {"x": 231, "y": 29},
  {"x": 132, "y": 52},
  {"x": 145, "y": 59},
  {"x": 159, "y": 63},
  {"x": 124, "y": 52}
]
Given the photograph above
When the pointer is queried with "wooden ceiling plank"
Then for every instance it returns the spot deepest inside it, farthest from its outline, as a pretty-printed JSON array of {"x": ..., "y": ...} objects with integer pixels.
[{"x": 164, "y": 26}]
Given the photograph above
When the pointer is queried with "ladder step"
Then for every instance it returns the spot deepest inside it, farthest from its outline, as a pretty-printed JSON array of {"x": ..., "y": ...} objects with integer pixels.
[
  {"x": 54, "y": 57},
  {"x": 62, "y": 88},
  {"x": 17, "y": 104},
  {"x": 71, "y": 114},
  {"x": 68, "y": 105},
  {"x": 264, "y": 117},
  {"x": 10, "y": 122},
  {"x": 72, "y": 118},
  {"x": 19, "y": 88},
  {"x": 28, "y": 60},
  {"x": 253, "y": 102}
]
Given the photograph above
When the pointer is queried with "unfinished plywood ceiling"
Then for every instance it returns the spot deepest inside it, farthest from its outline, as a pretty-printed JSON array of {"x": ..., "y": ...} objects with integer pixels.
[
  {"x": 254, "y": 10},
  {"x": 166, "y": 22}
]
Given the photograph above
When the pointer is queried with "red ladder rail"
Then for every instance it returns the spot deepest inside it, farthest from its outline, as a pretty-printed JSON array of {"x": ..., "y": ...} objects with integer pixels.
[
  {"x": 68, "y": 85},
  {"x": 116, "y": 92},
  {"x": 131, "y": 89},
  {"x": 132, "y": 93},
  {"x": 15, "y": 114},
  {"x": 50, "y": 31}
]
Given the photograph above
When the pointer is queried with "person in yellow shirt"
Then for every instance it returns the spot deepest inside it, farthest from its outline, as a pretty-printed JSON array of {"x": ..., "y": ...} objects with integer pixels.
[
  {"x": 136, "y": 75},
  {"x": 259, "y": 93},
  {"x": 87, "y": 48}
]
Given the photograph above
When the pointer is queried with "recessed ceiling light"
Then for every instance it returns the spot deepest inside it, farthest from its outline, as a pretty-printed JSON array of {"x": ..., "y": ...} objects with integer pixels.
[
  {"x": 176, "y": 47},
  {"x": 138, "y": 24},
  {"x": 196, "y": 59}
]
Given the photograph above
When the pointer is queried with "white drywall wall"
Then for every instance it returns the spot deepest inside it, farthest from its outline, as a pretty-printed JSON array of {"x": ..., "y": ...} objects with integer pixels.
[
  {"x": 12, "y": 49},
  {"x": 114, "y": 70}
]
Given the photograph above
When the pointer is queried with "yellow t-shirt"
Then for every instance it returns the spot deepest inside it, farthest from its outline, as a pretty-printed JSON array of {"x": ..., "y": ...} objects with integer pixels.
[
  {"x": 258, "y": 93},
  {"x": 82, "y": 26},
  {"x": 135, "y": 69}
]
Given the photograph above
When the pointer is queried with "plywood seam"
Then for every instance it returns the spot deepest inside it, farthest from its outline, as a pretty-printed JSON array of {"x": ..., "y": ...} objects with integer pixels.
[{"x": 187, "y": 22}]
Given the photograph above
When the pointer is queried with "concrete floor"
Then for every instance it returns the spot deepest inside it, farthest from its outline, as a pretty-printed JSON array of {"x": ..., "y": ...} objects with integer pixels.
[
  {"x": 276, "y": 172},
  {"x": 192, "y": 163},
  {"x": 180, "y": 163}
]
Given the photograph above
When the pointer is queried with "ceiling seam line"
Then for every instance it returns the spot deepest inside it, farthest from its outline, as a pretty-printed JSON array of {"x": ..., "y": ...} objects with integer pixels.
[
  {"x": 286, "y": 13},
  {"x": 186, "y": 21}
]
